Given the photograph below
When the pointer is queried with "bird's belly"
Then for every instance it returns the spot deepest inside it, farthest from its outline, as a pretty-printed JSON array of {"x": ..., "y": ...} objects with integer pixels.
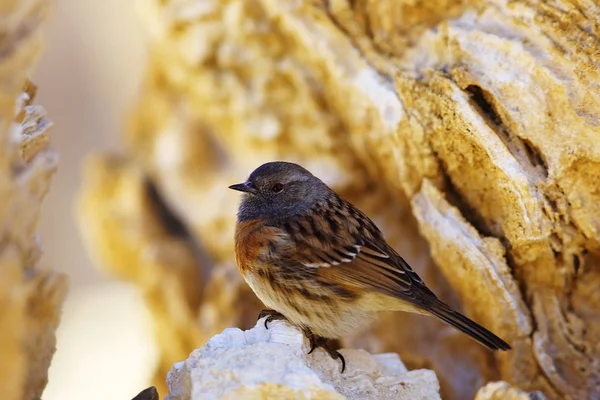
[{"x": 331, "y": 319}]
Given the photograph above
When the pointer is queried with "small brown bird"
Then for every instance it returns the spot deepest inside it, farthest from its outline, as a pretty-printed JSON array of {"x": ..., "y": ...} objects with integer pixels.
[{"x": 317, "y": 261}]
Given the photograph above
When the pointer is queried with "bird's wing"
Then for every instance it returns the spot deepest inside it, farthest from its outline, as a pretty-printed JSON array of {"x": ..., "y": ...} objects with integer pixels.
[
  {"x": 339, "y": 248},
  {"x": 368, "y": 266},
  {"x": 349, "y": 250}
]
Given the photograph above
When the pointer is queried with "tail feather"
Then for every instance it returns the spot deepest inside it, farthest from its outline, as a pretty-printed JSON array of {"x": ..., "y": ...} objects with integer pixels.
[{"x": 471, "y": 328}]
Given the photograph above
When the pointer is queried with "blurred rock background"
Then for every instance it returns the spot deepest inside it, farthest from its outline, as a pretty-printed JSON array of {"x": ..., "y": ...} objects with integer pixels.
[
  {"x": 87, "y": 78},
  {"x": 468, "y": 131}
]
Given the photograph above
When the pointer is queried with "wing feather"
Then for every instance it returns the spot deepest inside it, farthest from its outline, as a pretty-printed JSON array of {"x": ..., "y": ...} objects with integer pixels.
[
  {"x": 356, "y": 256},
  {"x": 337, "y": 247}
]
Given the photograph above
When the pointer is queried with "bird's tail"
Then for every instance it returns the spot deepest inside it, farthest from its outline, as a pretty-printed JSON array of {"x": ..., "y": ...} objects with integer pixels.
[{"x": 464, "y": 324}]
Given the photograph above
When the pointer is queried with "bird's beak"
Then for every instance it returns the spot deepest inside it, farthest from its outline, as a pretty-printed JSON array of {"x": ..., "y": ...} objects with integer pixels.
[{"x": 246, "y": 187}]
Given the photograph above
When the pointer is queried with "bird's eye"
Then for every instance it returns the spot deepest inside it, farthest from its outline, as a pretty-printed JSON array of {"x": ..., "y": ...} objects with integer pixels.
[{"x": 276, "y": 188}]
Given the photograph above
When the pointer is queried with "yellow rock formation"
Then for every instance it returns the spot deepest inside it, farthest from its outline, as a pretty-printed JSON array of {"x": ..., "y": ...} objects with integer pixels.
[
  {"x": 468, "y": 130},
  {"x": 30, "y": 296}
]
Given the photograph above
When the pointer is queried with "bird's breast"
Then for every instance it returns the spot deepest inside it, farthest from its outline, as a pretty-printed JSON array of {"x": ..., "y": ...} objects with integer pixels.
[
  {"x": 257, "y": 242},
  {"x": 298, "y": 293}
]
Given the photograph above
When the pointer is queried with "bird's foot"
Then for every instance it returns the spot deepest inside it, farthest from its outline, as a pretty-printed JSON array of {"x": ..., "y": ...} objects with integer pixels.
[
  {"x": 331, "y": 346},
  {"x": 271, "y": 315}
]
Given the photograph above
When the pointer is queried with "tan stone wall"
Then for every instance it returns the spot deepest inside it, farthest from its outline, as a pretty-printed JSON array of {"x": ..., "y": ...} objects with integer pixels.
[
  {"x": 469, "y": 131},
  {"x": 30, "y": 296}
]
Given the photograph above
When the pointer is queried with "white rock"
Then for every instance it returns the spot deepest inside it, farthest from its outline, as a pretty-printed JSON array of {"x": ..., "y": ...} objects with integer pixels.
[{"x": 261, "y": 363}]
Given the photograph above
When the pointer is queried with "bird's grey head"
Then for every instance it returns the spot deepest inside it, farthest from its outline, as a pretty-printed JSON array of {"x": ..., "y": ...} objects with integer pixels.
[{"x": 277, "y": 190}]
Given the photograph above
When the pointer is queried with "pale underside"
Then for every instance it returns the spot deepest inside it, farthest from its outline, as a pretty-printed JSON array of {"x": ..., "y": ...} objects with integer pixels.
[{"x": 327, "y": 319}]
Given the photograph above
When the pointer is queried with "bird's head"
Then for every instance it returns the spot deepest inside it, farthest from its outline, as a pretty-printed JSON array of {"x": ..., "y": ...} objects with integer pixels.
[{"x": 278, "y": 190}]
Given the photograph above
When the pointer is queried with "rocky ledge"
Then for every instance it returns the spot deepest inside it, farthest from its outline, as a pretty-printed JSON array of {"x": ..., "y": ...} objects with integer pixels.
[{"x": 273, "y": 363}]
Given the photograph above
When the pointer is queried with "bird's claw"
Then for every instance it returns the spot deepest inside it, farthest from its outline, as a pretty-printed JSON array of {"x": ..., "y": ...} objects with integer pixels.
[
  {"x": 324, "y": 343},
  {"x": 312, "y": 339},
  {"x": 335, "y": 355},
  {"x": 330, "y": 346},
  {"x": 271, "y": 315}
]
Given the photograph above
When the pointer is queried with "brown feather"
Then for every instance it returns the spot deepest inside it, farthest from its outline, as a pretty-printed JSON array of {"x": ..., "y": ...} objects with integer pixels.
[{"x": 362, "y": 258}]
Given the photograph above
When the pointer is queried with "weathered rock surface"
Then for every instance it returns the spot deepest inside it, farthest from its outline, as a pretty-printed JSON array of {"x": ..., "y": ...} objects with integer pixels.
[
  {"x": 503, "y": 391},
  {"x": 30, "y": 296},
  {"x": 273, "y": 363},
  {"x": 468, "y": 130}
]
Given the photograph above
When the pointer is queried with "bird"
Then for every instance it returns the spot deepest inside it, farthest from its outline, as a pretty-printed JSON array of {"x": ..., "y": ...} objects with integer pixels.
[{"x": 320, "y": 263}]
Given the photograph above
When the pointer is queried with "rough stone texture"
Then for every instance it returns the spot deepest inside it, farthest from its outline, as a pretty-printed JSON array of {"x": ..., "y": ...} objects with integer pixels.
[
  {"x": 273, "y": 363},
  {"x": 30, "y": 296},
  {"x": 469, "y": 130},
  {"x": 503, "y": 391}
]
